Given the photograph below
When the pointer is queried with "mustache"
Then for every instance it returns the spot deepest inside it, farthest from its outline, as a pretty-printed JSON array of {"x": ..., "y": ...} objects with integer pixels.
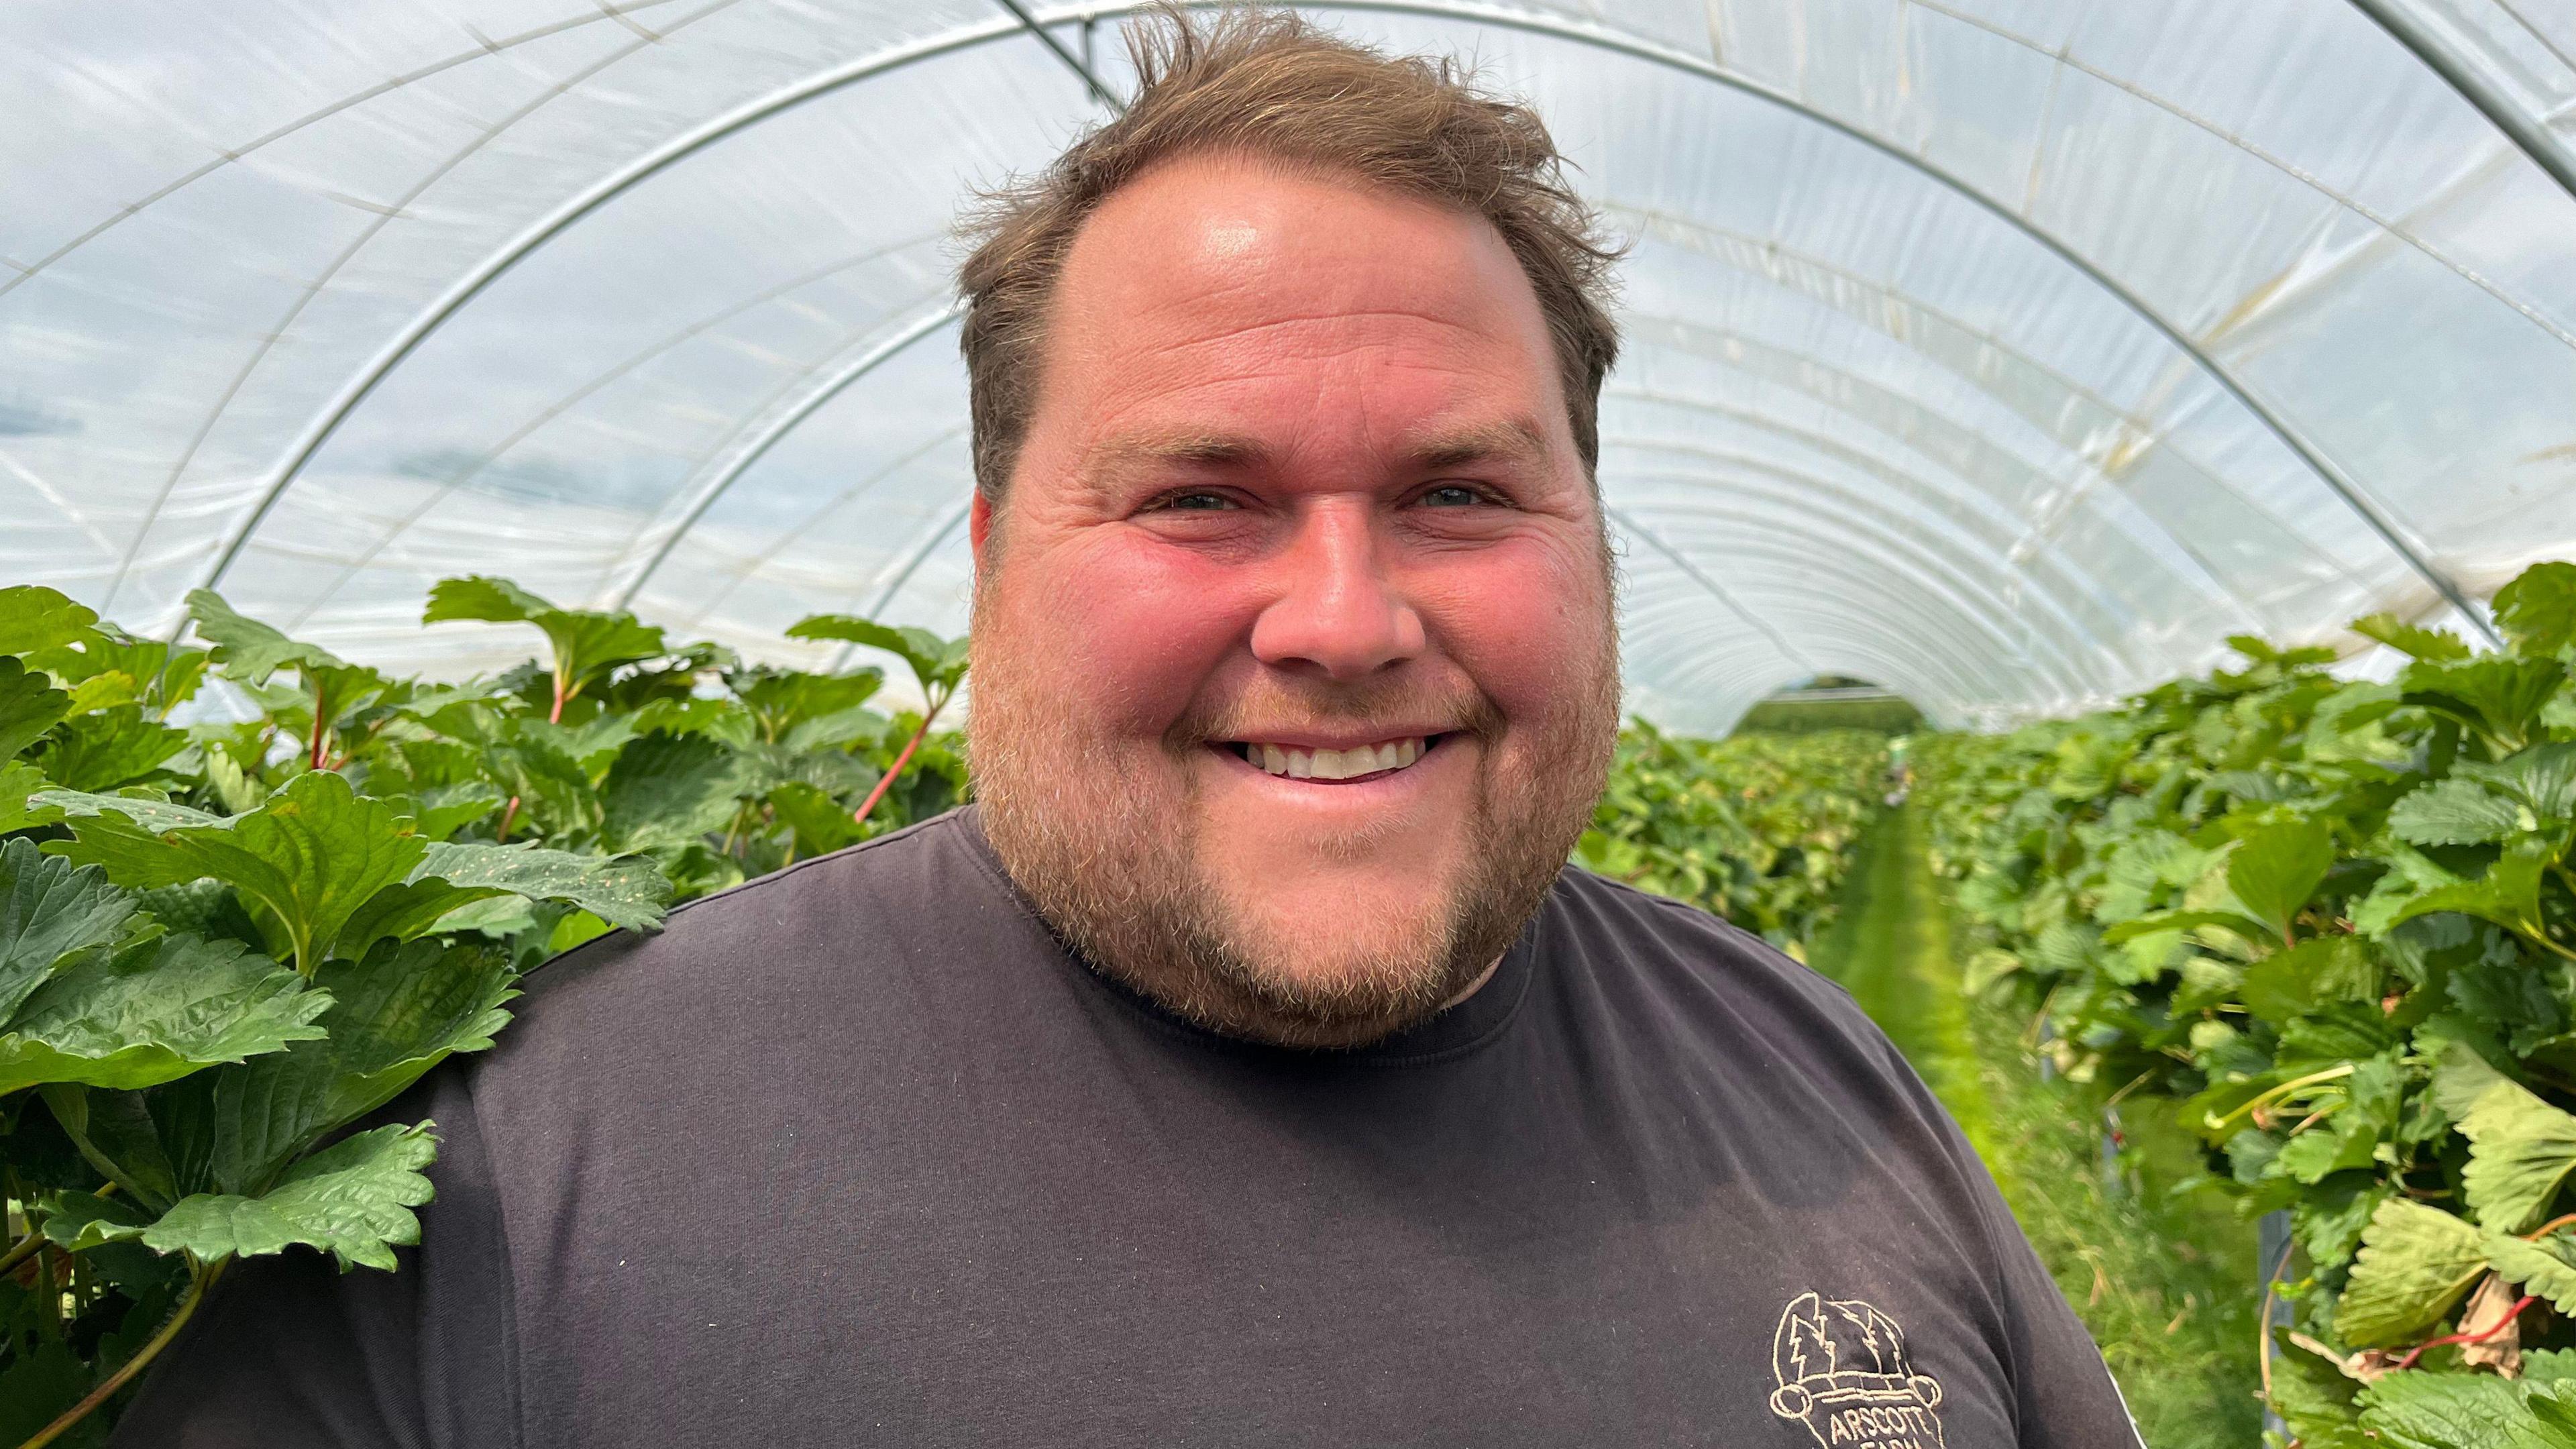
[{"x": 1276, "y": 708}]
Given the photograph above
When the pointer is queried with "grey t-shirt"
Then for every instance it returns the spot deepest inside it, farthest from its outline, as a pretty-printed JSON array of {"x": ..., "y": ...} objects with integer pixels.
[{"x": 859, "y": 1154}]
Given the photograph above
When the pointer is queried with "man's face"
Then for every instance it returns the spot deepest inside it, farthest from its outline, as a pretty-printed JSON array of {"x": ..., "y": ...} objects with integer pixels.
[{"x": 1295, "y": 671}]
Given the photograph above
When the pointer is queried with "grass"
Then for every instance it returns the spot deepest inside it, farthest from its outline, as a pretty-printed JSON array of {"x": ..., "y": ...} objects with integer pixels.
[{"x": 2165, "y": 1282}]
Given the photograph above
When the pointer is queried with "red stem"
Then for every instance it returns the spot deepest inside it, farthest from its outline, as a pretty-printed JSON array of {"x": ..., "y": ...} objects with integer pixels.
[
  {"x": 2501, "y": 1325},
  {"x": 886, "y": 781},
  {"x": 321, "y": 721}
]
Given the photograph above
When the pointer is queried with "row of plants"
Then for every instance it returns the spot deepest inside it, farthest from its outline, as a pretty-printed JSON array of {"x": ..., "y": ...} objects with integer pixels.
[
  {"x": 1757, "y": 828},
  {"x": 250, "y": 891},
  {"x": 2330, "y": 925}
]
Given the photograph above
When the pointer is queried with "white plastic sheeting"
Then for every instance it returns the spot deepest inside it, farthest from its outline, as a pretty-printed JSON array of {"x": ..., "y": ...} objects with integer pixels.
[{"x": 2011, "y": 353}]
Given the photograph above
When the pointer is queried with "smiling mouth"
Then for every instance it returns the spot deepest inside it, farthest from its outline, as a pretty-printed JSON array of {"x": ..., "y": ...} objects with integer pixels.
[{"x": 1359, "y": 762}]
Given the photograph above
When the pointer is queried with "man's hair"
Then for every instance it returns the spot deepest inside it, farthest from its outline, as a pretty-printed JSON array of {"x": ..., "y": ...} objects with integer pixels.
[{"x": 1268, "y": 85}]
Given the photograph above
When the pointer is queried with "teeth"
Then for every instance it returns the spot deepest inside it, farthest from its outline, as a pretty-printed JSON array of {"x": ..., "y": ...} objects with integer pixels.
[{"x": 1348, "y": 764}]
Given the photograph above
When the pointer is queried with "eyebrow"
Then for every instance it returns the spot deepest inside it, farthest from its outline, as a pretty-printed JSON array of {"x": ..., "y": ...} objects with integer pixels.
[
  {"x": 1139, "y": 452},
  {"x": 1508, "y": 440}
]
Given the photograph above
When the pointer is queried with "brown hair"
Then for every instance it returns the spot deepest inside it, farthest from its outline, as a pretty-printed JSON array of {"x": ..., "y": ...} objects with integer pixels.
[{"x": 1266, "y": 83}]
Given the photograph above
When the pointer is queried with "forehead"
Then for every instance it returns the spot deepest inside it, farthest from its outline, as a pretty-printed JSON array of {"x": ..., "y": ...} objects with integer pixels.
[{"x": 1217, "y": 285}]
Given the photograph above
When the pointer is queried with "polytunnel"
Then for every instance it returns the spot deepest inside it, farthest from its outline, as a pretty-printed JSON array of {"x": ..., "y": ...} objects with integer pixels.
[{"x": 2012, "y": 353}]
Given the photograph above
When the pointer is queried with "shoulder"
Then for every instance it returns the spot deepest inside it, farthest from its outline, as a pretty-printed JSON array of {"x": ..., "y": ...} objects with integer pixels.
[
  {"x": 1671, "y": 946},
  {"x": 1725, "y": 994},
  {"x": 821, "y": 934}
]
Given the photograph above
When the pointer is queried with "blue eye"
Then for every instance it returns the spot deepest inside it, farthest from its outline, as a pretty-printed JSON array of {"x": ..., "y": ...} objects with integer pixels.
[
  {"x": 1452, "y": 495},
  {"x": 1198, "y": 502}
]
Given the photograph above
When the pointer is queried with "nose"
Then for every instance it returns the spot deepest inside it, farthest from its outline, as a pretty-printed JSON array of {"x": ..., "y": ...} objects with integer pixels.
[{"x": 1338, "y": 614}]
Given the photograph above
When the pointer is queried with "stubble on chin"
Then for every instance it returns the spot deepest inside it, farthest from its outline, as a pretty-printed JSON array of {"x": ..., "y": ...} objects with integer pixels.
[{"x": 1088, "y": 825}]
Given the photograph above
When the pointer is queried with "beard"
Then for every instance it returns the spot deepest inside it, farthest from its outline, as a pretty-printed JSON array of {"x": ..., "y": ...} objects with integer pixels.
[{"x": 1103, "y": 834}]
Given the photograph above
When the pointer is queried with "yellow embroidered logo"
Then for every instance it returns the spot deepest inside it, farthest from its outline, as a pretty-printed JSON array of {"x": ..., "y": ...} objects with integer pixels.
[{"x": 1843, "y": 1373}]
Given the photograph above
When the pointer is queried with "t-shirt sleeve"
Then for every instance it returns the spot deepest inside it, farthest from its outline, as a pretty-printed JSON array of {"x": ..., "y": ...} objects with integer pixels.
[
  {"x": 2066, "y": 1398},
  {"x": 289, "y": 1352},
  {"x": 2064, "y": 1395}
]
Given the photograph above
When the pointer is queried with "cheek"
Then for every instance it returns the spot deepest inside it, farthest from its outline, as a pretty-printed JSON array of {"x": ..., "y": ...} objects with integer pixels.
[
  {"x": 1525, "y": 623},
  {"x": 1127, "y": 630}
]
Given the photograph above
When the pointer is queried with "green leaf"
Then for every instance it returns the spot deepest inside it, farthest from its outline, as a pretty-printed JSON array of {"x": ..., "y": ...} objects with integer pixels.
[
  {"x": 406, "y": 909},
  {"x": 2537, "y": 611},
  {"x": 50, "y": 910},
  {"x": 2542, "y": 1268},
  {"x": 2415, "y": 1262},
  {"x": 29, "y": 706},
  {"x": 2520, "y": 1148},
  {"x": 394, "y": 1016},
  {"x": 623, "y": 892},
  {"x": 2508, "y": 894},
  {"x": 670, "y": 790},
  {"x": 821, "y": 823},
  {"x": 2542, "y": 778},
  {"x": 353, "y": 1198},
  {"x": 34, "y": 617},
  {"x": 113, "y": 747},
  {"x": 154, "y": 1012},
  {"x": 2413, "y": 640},
  {"x": 79, "y": 1220},
  {"x": 2311, "y": 974},
  {"x": 248, "y": 650},
  {"x": 497, "y": 601},
  {"x": 2457, "y": 812},
  {"x": 585, "y": 642},
  {"x": 2455, "y": 1411},
  {"x": 2496, "y": 693},
  {"x": 19, "y": 780},
  {"x": 2162, "y": 921},
  {"x": 312, "y": 855},
  {"x": 937, "y": 664},
  {"x": 2274, "y": 871},
  {"x": 441, "y": 812}
]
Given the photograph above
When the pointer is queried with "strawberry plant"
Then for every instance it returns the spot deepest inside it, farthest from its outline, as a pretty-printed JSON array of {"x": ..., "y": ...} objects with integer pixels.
[
  {"x": 226, "y": 943},
  {"x": 2332, "y": 923},
  {"x": 1758, "y": 829}
]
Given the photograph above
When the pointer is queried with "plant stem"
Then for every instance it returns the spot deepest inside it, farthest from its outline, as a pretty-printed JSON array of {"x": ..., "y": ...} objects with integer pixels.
[
  {"x": 886, "y": 781},
  {"x": 2501, "y": 1325},
  {"x": 321, "y": 721},
  {"x": 199, "y": 1280},
  {"x": 2551, "y": 1226},
  {"x": 509, "y": 813}
]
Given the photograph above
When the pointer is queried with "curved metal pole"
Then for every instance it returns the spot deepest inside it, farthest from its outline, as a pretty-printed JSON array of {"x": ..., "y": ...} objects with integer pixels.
[
  {"x": 741, "y": 570},
  {"x": 353, "y": 392},
  {"x": 1933, "y": 661},
  {"x": 779, "y": 427},
  {"x": 493, "y": 266},
  {"x": 1692, "y": 234},
  {"x": 1956, "y": 585},
  {"x": 1692, "y": 571},
  {"x": 233, "y": 154},
  {"x": 1079, "y": 64},
  {"x": 2524, "y": 130},
  {"x": 903, "y": 572},
  {"x": 1919, "y": 417},
  {"x": 2055, "y": 583},
  {"x": 1583, "y": 34},
  {"x": 1981, "y": 638}
]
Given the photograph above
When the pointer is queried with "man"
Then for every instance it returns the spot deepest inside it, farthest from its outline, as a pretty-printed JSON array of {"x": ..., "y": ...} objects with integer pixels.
[{"x": 1246, "y": 1068}]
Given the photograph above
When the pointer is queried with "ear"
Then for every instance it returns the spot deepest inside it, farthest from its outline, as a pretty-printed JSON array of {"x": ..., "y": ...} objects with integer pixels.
[{"x": 979, "y": 525}]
